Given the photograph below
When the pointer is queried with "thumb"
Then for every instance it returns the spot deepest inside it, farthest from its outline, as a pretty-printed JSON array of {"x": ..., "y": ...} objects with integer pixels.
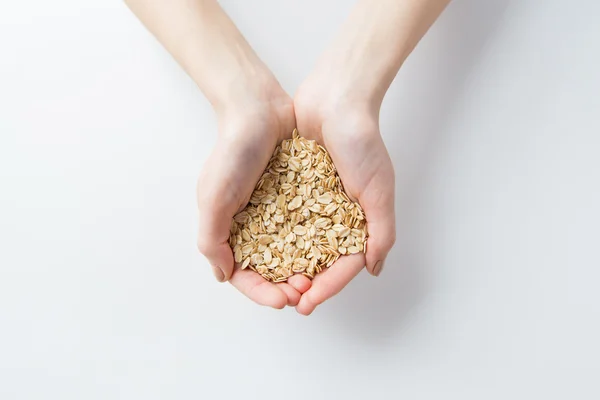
[
  {"x": 381, "y": 227},
  {"x": 218, "y": 194},
  {"x": 216, "y": 206},
  {"x": 213, "y": 242}
]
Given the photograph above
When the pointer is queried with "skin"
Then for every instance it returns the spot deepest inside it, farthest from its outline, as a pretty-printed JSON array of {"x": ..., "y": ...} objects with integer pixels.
[{"x": 338, "y": 105}]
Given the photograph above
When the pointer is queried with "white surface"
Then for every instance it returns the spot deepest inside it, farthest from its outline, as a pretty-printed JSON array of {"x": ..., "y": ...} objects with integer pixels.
[{"x": 490, "y": 293}]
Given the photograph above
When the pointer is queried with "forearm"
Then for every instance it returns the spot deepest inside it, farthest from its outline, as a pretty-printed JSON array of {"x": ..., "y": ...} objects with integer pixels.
[
  {"x": 206, "y": 43},
  {"x": 374, "y": 42}
]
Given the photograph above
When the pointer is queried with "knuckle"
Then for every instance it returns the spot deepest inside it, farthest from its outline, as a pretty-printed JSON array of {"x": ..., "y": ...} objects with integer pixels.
[
  {"x": 314, "y": 299},
  {"x": 203, "y": 244},
  {"x": 389, "y": 240},
  {"x": 205, "y": 202},
  {"x": 392, "y": 172}
]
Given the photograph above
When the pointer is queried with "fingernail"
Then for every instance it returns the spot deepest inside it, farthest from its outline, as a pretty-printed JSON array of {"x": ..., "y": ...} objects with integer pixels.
[
  {"x": 218, "y": 273},
  {"x": 378, "y": 268}
]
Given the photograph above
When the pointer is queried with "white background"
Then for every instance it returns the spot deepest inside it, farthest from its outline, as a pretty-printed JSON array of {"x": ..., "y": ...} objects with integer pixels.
[{"x": 492, "y": 291}]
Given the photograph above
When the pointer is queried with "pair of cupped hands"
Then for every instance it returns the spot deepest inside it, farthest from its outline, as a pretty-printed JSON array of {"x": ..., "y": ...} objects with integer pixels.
[{"x": 250, "y": 126}]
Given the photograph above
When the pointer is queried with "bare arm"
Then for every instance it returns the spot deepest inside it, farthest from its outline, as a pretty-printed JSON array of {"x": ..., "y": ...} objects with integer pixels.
[
  {"x": 339, "y": 106},
  {"x": 373, "y": 43},
  {"x": 206, "y": 43},
  {"x": 253, "y": 112}
]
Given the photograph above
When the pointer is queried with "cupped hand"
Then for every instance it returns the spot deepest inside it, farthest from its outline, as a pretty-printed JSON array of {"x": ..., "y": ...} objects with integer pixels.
[
  {"x": 349, "y": 130},
  {"x": 248, "y": 134}
]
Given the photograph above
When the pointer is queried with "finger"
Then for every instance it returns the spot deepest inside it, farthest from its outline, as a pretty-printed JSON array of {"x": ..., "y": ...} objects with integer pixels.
[
  {"x": 293, "y": 296},
  {"x": 213, "y": 233},
  {"x": 257, "y": 289},
  {"x": 220, "y": 258},
  {"x": 299, "y": 282},
  {"x": 381, "y": 225},
  {"x": 330, "y": 282},
  {"x": 217, "y": 252},
  {"x": 382, "y": 236}
]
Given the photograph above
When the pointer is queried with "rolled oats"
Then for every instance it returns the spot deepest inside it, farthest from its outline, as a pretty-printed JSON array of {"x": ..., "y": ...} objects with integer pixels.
[{"x": 298, "y": 220}]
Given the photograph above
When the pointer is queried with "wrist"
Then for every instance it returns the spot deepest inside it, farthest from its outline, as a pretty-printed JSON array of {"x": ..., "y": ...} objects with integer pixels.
[
  {"x": 356, "y": 70},
  {"x": 342, "y": 88},
  {"x": 324, "y": 98},
  {"x": 373, "y": 43},
  {"x": 248, "y": 86},
  {"x": 221, "y": 62},
  {"x": 268, "y": 105}
]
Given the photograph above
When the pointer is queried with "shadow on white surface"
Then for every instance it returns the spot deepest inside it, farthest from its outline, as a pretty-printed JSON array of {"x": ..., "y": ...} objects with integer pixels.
[{"x": 374, "y": 309}]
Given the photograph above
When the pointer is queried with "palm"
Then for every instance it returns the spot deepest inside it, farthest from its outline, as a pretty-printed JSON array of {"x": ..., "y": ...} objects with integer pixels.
[
  {"x": 366, "y": 171},
  {"x": 245, "y": 145}
]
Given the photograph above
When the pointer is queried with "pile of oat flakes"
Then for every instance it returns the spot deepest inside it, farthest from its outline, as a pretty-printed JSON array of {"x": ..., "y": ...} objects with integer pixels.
[{"x": 298, "y": 220}]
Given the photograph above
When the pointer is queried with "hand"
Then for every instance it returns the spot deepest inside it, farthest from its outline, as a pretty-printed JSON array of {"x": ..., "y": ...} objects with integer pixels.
[
  {"x": 338, "y": 106},
  {"x": 349, "y": 130},
  {"x": 248, "y": 134}
]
